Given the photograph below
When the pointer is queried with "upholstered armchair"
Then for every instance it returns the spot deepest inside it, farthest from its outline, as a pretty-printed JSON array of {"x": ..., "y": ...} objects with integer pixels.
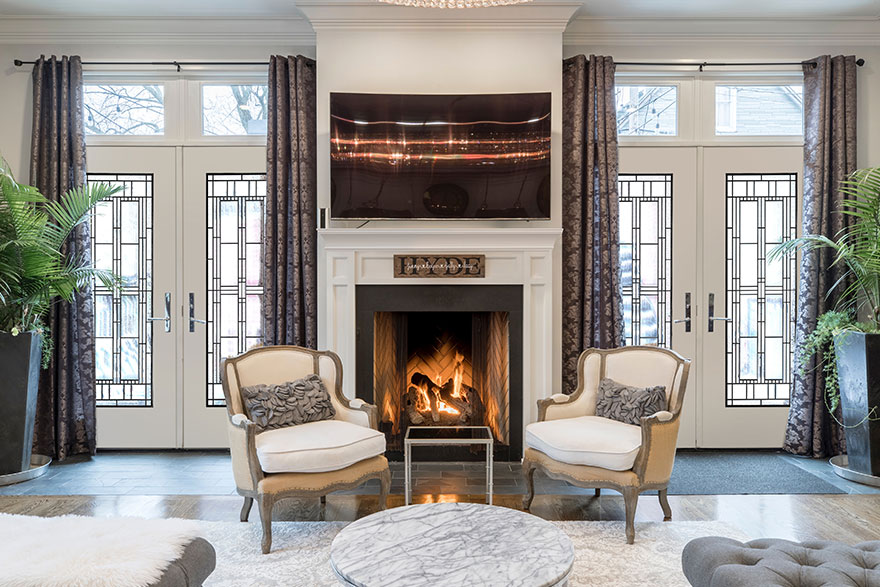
[
  {"x": 569, "y": 442},
  {"x": 305, "y": 460}
]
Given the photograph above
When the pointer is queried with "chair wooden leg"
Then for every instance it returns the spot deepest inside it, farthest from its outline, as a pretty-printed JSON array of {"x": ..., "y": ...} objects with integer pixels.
[
  {"x": 529, "y": 473},
  {"x": 664, "y": 504},
  {"x": 246, "y": 508},
  {"x": 631, "y": 500},
  {"x": 598, "y": 492},
  {"x": 384, "y": 488},
  {"x": 323, "y": 501},
  {"x": 265, "y": 505}
]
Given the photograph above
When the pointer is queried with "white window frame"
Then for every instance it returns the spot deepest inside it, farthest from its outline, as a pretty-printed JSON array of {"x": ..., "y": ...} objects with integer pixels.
[
  {"x": 183, "y": 106},
  {"x": 731, "y": 111},
  {"x": 684, "y": 87},
  {"x": 707, "y": 95}
]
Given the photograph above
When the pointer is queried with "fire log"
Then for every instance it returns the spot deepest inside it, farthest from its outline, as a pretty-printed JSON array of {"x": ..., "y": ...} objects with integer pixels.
[{"x": 412, "y": 398}]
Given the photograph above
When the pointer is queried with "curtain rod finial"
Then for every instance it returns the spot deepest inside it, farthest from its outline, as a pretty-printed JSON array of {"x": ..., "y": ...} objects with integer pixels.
[
  {"x": 860, "y": 62},
  {"x": 17, "y": 62}
]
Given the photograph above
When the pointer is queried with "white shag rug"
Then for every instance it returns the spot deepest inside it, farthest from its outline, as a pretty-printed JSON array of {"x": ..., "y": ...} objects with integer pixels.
[
  {"x": 79, "y": 551},
  {"x": 301, "y": 550}
]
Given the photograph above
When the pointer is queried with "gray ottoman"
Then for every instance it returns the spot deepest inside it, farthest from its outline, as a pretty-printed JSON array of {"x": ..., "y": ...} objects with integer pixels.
[
  {"x": 722, "y": 562},
  {"x": 191, "y": 568}
]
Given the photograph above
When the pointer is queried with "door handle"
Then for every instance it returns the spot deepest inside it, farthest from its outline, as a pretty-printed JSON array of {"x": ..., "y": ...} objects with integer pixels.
[
  {"x": 192, "y": 313},
  {"x": 687, "y": 313},
  {"x": 167, "y": 317},
  {"x": 712, "y": 316}
]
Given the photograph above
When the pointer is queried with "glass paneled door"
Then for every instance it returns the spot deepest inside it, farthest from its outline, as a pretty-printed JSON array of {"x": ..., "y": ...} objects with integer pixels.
[
  {"x": 223, "y": 211},
  {"x": 133, "y": 234},
  {"x": 658, "y": 254},
  {"x": 748, "y": 304}
]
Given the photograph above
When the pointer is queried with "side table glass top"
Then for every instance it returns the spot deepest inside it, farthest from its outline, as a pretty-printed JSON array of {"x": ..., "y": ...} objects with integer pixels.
[{"x": 450, "y": 434}]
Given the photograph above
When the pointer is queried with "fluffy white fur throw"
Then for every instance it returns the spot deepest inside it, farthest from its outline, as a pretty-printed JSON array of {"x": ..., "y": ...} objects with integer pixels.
[{"x": 77, "y": 551}]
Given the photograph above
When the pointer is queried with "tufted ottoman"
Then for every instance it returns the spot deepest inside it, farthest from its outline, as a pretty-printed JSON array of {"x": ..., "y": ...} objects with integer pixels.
[{"x": 722, "y": 562}]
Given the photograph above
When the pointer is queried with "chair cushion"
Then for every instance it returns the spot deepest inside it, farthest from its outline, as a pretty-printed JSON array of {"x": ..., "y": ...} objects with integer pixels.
[
  {"x": 588, "y": 440},
  {"x": 317, "y": 447}
]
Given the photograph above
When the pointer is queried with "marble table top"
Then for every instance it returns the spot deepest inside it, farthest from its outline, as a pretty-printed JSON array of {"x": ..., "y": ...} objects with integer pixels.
[{"x": 451, "y": 544}]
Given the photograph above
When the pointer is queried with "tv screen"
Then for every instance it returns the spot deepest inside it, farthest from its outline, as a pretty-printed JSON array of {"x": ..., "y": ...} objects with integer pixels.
[{"x": 479, "y": 156}]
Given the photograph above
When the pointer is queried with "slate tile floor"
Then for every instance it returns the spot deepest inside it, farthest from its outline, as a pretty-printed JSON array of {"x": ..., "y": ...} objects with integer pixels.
[{"x": 210, "y": 473}]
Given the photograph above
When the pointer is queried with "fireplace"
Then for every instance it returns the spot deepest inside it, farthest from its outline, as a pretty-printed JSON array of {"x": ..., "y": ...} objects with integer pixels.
[{"x": 442, "y": 356}]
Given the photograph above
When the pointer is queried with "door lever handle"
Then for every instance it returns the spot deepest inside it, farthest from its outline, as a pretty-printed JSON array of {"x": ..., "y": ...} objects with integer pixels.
[
  {"x": 687, "y": 313},
  {"x": 192, "y": 313},
  {"x": 712, "y": 316},
  {"x": 167, "y": 317}
]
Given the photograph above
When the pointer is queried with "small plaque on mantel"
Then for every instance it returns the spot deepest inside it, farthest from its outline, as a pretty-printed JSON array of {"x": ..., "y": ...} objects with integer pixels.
[{"x": 440, "y": 266}]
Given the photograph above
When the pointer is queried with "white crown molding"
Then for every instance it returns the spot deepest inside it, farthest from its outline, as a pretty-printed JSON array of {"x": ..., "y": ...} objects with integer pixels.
[
  {"x": 372, "y": 15},
  {"x": 167, "y": 31},
  {"x": 768, "y": 31}
]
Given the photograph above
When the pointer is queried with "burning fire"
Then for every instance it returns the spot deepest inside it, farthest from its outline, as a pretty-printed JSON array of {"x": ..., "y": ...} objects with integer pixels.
[{"x": 424, "y": 400}]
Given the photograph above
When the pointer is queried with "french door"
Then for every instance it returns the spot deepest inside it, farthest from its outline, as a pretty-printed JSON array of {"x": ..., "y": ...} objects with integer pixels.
[
  {"x": 730, "y": 310},
  {"x": 136, "y": 350},
  {"x": 185, "y": 237}
]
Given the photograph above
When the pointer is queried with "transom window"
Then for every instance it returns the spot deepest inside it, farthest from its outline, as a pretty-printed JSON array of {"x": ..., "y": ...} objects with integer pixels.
[
  {"x": 233, "y": 109},
  {"x": 759, "y": 110},
  {"x": 647, "y": 110},
  {"x": 124, "y": 109}
]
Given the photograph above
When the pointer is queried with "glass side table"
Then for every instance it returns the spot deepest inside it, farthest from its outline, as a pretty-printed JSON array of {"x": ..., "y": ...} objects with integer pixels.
[{"x": 446, "y": 436}]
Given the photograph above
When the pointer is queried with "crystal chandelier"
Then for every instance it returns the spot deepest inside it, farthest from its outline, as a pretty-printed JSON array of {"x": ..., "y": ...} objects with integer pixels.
[{"x": 454, "y": 3}]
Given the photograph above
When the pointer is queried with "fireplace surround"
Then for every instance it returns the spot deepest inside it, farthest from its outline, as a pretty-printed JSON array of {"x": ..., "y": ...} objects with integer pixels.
[{"x": 442, "y": 355}]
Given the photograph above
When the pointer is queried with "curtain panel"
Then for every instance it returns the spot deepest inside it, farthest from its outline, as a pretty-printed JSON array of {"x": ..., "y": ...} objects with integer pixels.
[
  {"x": 290, "y": 313},
  {"x": 829, "y": 156},
  {"x": 65, "y": 419},
  {"x": 592, "y": 305}
]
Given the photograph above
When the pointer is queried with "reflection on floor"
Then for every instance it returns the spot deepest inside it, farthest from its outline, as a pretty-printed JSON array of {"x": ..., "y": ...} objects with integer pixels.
[{"x": 209, "y": 473}]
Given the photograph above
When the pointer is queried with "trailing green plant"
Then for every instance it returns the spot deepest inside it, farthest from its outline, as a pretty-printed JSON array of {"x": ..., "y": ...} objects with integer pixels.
[
  {"x": 856, "y": 251},
  {"x": 35, "y": 270}
]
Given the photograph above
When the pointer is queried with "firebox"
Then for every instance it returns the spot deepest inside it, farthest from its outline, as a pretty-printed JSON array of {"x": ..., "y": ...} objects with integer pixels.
[{"x": 442, "y": 356}]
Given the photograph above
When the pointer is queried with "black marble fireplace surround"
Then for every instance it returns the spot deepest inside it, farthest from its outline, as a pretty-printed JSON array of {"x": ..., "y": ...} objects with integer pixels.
[{"x": 371, "y": 299}]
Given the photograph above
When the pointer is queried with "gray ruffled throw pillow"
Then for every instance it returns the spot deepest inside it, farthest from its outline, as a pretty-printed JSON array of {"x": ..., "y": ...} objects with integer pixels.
[
  {"x": 288, "y": 404},
  {"x": 628, "y": 404}
]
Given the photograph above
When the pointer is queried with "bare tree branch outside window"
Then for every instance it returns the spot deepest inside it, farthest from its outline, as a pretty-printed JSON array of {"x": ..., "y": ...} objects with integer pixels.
[{"x": 124, "y": 109}]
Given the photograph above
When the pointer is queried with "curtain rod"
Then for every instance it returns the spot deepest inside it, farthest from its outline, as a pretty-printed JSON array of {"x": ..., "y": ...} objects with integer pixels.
[
  {"x": 860, "y": 62},
  {"x": 177, "y": 64}
]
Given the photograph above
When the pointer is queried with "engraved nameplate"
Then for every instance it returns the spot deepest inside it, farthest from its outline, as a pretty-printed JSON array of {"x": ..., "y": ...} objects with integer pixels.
[{"x": 440, "y": 266}]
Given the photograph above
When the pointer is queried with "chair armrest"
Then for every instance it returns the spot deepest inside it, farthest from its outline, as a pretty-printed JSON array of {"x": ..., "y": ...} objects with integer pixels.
[
  {"x": 363, "y": 410},
  {"x": 246, "y": 446},
  {"x": 656, "y": 456},
  {"x": 560, "y": 405}
]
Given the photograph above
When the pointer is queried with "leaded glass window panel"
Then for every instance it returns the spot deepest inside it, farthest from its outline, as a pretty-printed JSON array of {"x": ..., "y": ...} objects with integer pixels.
[
  {"x": 122, "y": 241},
  {"x": 646, "y": 257},
  {"x": 236, "y": 210},
  {"x": 761, "y": 213},
  {"x": 124, "y": 109}
]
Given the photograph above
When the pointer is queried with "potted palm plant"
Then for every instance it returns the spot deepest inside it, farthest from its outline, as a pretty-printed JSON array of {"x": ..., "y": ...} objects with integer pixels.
[
  {"x": 847, "y": 339},
  {"x": 35, "y": 271}
]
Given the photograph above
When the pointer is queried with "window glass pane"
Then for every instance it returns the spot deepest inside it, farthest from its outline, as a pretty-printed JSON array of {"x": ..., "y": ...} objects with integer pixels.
[
  {"x": 761, "y": 212},
  {"x": 647, "y": 110},
  {"x": 122, "y": 236},
  {"x": 646, "y": 257},
  {"x": 124, "y": 109},
  {"x": 235, "y": 214},
  {"x": 234, "y": 109},
  {"x": 759, "y": 110}
]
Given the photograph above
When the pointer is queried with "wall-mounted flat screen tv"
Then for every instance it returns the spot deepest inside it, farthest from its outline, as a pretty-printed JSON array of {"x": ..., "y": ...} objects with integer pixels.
[{"x": 480, "y": 156}]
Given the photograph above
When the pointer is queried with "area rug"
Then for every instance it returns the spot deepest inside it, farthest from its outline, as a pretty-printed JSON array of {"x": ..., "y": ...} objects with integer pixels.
[
  {"x": 301, "y": 550},
  {"x": 742, "y": 473}
]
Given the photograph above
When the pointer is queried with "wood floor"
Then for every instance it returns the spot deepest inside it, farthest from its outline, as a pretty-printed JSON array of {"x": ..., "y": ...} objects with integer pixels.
[{"x": 850, "y": 518}]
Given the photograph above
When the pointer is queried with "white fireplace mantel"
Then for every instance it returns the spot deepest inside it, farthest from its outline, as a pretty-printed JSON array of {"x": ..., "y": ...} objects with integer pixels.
[{"x": 514, "y": 256}]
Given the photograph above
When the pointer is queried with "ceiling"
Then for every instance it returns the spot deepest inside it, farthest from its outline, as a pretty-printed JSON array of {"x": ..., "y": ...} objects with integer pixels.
[{"x": 812, "y": 9}]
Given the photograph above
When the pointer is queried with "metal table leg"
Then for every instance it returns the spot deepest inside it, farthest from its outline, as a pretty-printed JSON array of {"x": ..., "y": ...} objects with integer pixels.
[{"x": 407, "y": 472}]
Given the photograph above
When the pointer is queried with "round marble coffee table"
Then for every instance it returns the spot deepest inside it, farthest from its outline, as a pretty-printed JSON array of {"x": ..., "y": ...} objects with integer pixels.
[{"x": 452, "y": 544}]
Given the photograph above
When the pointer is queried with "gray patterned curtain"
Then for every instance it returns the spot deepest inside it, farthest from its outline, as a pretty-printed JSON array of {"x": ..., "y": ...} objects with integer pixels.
[
  {"x": 829, "y": 156},
  {"x": 65, "y": 421},
  {"x": 290, "y": 313},
  {"x": 592, "y": 305}
]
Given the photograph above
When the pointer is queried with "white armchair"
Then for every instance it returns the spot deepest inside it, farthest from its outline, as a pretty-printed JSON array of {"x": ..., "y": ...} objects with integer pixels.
[
  {"x": 569, "y": 442},
  {"x": 306, "y": 460}
]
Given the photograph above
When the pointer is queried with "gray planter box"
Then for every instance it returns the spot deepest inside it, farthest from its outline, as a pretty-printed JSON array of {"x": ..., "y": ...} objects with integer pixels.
[
  {"x": 20, "y": 368},
  {"x": 858, "y": 366}
]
